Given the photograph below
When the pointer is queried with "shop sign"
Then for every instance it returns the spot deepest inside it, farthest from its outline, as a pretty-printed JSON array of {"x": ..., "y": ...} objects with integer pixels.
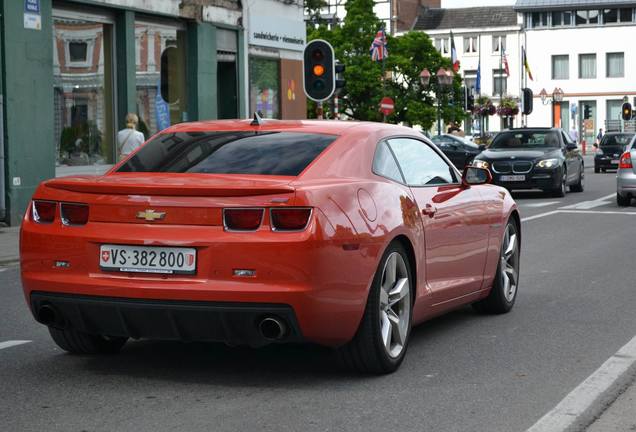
[
  {"x": 32, "y": 16},
  {"x": 277, "y": 32}
]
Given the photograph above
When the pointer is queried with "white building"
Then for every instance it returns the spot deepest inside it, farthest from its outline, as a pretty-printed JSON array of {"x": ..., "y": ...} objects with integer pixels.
[
  {"x": 481, "y": 35},
  {"x": 586, "y": 48}
]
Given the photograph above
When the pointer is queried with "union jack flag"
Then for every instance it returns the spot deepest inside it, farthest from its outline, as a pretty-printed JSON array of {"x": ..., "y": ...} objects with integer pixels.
[{"x": 378, "y": 49}]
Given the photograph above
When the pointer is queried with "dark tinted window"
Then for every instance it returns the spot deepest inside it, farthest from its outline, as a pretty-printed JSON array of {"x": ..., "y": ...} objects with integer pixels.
[
  {"x": 527, "y": 138},
  {"x": 616, "y": 140},
  {"x": 421, "y": 165},
  {"x": 267, "y": 153},
  {"x": 384, "y": 164}
]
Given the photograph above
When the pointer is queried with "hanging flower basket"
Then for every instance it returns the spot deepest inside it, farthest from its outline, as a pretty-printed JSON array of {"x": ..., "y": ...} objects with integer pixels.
[
  {"x": 484, "y": 107},
  {"x": 508, "y": 107}
]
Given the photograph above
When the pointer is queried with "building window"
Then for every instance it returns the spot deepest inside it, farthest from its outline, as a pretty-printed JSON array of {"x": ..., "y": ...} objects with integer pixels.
[
  {"x": 265, "y": 87},
  {"x": 442, "y": 45},
  {"x": 539, "y": 19},
  {"x": 83, "y": 87},
  {"x": 560, "y": 67},
  {"x": 613, "y": 16},
  {"x": 613, "y": 109},
  {"x": 587, "y": 17},
  {"x": 160, "y": 78},
  {"x": 470, "y": 79},
  {"x": 500, "y": 82},
  {"x": 587, "y": 66},
  {"x": 561, "y": 18},
  {"x": 498, "y": 43},
  {"x": 77, "y": 51},
  {"x": 615, "y": 65},
  {"x": 470, "y": 44}
]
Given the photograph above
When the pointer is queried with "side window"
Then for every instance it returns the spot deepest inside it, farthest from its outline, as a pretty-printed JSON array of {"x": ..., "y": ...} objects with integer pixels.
[
  {"x": 566, "y": 138},
  {"x": 384, "y": 164},
  {"x": 420, "y": 164}
]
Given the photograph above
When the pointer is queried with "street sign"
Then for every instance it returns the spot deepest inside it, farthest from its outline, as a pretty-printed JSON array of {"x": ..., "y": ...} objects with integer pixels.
[{"x": 387, "y": 106}]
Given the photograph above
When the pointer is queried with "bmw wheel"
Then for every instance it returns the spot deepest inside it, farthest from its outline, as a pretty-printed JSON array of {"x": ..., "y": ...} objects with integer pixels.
[
  {"x": 380, "y": 343},
  {"x": 559, "y": 192},
  {"x": 579, "y": 185}
]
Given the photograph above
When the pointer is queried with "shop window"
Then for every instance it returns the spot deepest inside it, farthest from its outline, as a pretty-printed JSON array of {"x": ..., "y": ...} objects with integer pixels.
[
  {"x": 560, "y": 67},
  {"x": 161, "y": 87},
  {"x": 587, "y": 66},
  {"x": 265, "y": 87},
  {"x": 615, "y": 65},
  {"x": 83, "y": 88}
]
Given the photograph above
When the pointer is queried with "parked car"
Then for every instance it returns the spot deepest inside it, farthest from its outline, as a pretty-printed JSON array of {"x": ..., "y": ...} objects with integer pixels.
[
  {"x": 337, "y": 233},
  {"x": 610, "y": 149},
  {"x": 461, "y": 151},
  {"x": 626, "y": 175},
  {"x": 534, "y": 158}
]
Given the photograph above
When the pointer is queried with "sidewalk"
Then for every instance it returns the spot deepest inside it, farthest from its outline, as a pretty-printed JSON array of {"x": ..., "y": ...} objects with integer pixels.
[
  {"x": 620, "y": 416},
  {"x": 9, "y": 245}
]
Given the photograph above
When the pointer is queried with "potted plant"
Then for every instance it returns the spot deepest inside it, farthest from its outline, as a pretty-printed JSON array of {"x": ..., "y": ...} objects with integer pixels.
[{"x": 508, "y": 107}]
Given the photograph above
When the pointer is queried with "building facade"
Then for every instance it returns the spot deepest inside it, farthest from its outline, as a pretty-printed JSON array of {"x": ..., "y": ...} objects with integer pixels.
[
  {"x": 73, "y": 69},
  {"x": 586, "y": 49},
  {"x": 485, "y": 39}
]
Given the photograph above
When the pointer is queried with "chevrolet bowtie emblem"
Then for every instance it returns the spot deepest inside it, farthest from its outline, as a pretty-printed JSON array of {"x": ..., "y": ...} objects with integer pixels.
[{"x": 151, "y": 215}]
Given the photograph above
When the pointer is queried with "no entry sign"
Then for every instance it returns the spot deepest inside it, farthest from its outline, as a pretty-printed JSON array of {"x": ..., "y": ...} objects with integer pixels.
[{"x": 387, "y": 106}]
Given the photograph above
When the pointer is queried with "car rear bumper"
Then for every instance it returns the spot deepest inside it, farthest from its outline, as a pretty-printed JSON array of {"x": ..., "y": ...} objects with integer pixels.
[
  {"x": 605, "y": 163},
  {"x": 232, "y": 323},
  {"x": 626, "y": 182}
]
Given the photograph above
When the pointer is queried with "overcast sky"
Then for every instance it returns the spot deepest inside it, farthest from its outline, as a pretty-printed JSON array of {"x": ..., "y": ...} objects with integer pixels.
[{"x": 469, "y": 3}]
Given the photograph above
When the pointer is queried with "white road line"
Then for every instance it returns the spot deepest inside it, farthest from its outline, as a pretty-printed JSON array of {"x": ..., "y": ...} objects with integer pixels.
[
  {"x": 9, "y": 344},
  {"x": 597, "y": 212},
  {"x": 540, "y": 204},
  {"x": 529, "y": 218},
  {"x": 586, "y": 205},
  {"x": 579, "y": 408}
]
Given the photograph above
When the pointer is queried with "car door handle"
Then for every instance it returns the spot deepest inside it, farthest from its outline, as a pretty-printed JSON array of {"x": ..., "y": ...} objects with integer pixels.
[{"x": 429, "y": 210}]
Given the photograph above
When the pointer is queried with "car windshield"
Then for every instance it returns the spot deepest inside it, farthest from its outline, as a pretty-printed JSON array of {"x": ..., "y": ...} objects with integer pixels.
[
  {"x": 521, "y": 139},
  {"x": 235, "y": 152},
  {"x": 616, "y": 140}
]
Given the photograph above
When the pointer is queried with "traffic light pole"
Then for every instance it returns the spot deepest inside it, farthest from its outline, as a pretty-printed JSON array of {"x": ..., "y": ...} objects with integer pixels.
[{"x": 319, "y": 111}]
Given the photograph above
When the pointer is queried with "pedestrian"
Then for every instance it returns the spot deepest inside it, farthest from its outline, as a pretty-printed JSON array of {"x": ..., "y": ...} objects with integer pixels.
[
  {"x": 129, "y": 139},
  {"x": 574, "y": 134},
  {"x": 599, "y": 137}
]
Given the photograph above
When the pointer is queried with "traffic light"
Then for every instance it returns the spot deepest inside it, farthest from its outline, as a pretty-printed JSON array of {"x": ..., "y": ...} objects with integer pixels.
[
  {"x": 527, "y": 101},
  {"x": 587, "y": 111},
  {"x": 319, "y": 76},
  {"x": 627, "y": 111},
  {"x": 339, "y": 69}
]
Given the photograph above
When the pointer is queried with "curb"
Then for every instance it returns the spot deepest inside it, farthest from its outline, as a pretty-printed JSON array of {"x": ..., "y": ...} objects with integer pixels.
[
  {"x": 583, "y": 405},
  {"x": 9, "y": 261}
]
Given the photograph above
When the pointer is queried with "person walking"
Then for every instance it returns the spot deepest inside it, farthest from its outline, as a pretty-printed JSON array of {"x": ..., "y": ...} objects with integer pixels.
[
  {"x": 129, "y": 139},
  {"x": 574, "y": 134},
  {"x": 599, "y": 136}
]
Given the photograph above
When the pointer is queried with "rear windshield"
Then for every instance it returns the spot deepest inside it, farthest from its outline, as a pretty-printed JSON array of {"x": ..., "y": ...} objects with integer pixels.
[
  {"x": 237, "y": 152},
  {"x": 520, "y": 139},
  {"x": 616, "y": 140}
]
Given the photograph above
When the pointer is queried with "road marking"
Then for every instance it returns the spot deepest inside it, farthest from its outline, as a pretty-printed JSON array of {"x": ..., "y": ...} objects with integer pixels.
[
  {"x": 540, "y": 204},
  {"x": 9, "y": 344},
  {"x": 597, "y": 212},
  {"x": 590, "y": 398},
  {"x": 586, "y": 205},
  {"x": 529, "y": 218}
]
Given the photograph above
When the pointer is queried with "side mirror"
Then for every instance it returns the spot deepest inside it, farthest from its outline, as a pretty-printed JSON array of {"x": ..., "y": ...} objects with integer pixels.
[
  {"x": 475, "y": 176},
  {"x": 571, "y": 146},
  {"x": 482, "y": 147}
]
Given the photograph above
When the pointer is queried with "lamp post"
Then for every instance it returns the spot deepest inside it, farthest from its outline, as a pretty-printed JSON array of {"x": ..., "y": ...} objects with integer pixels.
[
  {"x": 557, "y": 97},
  {"x": 444, "y": 81}
]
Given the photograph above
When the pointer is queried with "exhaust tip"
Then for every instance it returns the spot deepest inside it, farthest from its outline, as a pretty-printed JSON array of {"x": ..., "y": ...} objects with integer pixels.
[
  {"x": 49, "y": 316},
  {"x": 272, "y": 328}
]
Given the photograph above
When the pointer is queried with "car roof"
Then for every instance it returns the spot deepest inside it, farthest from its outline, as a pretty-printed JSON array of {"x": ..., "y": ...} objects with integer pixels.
[{"x": 332, "y": 127}]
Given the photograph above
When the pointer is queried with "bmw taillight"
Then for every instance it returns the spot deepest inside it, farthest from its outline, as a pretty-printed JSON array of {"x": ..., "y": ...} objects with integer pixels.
[
  {"x": 74, "y": 214},
  {"x": 625, "y": 161},
  {"x": 289, "y": 219},
  {"x": 243, "y": 219},
  {"x": 43, "y": 211}
]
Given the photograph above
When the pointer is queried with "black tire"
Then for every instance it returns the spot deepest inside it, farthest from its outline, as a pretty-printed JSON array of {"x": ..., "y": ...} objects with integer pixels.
[
  {"x": 366, "y": 353},
  {"x": 623, "y": 201},
  {"x": 579, "y": 185},
  {"x": 559, "y": 192},
  {"x": 81, "y": 343},
  {"x": 497, "y": 301},
  {"x": 596, "y": 169}
]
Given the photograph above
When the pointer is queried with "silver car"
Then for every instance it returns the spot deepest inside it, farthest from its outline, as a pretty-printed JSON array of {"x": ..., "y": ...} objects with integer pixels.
[{"x": 626, "y": 176}]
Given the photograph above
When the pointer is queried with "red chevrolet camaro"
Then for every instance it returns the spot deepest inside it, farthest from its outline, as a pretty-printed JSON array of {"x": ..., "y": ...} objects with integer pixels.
[{"x": 343, "y": 234}]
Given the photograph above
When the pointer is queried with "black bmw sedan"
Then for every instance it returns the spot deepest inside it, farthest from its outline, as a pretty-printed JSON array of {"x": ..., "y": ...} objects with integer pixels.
[
  {"x": 459, "y": 150},
  {"x": 534, "y": 158}
]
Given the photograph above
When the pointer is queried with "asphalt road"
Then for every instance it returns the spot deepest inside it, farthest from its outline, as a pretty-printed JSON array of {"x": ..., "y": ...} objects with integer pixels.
[{"x": 463, "y": 371}]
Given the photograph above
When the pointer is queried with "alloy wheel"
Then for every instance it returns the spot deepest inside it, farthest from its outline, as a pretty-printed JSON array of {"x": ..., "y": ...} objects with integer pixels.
[
  {"x": 509, "y": 263},
  {"x": 395, "y": 305}
]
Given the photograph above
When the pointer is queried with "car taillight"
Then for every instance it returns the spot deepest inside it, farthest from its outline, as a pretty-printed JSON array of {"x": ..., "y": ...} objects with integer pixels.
[
  {"x": 289, "y": 219},
  {"x": 74, "y": 214},
  {"x": 626, "y": 160},
  {"x": 242, "y": 219},
  {"x": 44, "y": 211}
]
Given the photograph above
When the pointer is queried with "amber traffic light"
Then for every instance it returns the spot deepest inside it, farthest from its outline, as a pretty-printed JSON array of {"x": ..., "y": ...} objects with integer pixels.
[
  {"x": 627, "y": 111},
  {"x": 319, "y": 70}
]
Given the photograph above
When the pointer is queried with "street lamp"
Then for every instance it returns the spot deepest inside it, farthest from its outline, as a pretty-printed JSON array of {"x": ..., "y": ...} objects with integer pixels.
[
  {"x": 444, "y": 81},
  {"x": 557, "y": 97}
]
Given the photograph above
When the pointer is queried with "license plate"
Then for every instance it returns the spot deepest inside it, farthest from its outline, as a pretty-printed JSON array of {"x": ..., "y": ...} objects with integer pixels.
[
  {"x": 148, "y": 259},
  {"x": 512, "y": 178},
  {"x": 615, "y": 161}
]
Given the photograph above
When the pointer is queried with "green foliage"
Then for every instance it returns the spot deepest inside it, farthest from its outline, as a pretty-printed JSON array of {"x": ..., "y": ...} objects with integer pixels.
[{"x": 409, "y": 54}]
